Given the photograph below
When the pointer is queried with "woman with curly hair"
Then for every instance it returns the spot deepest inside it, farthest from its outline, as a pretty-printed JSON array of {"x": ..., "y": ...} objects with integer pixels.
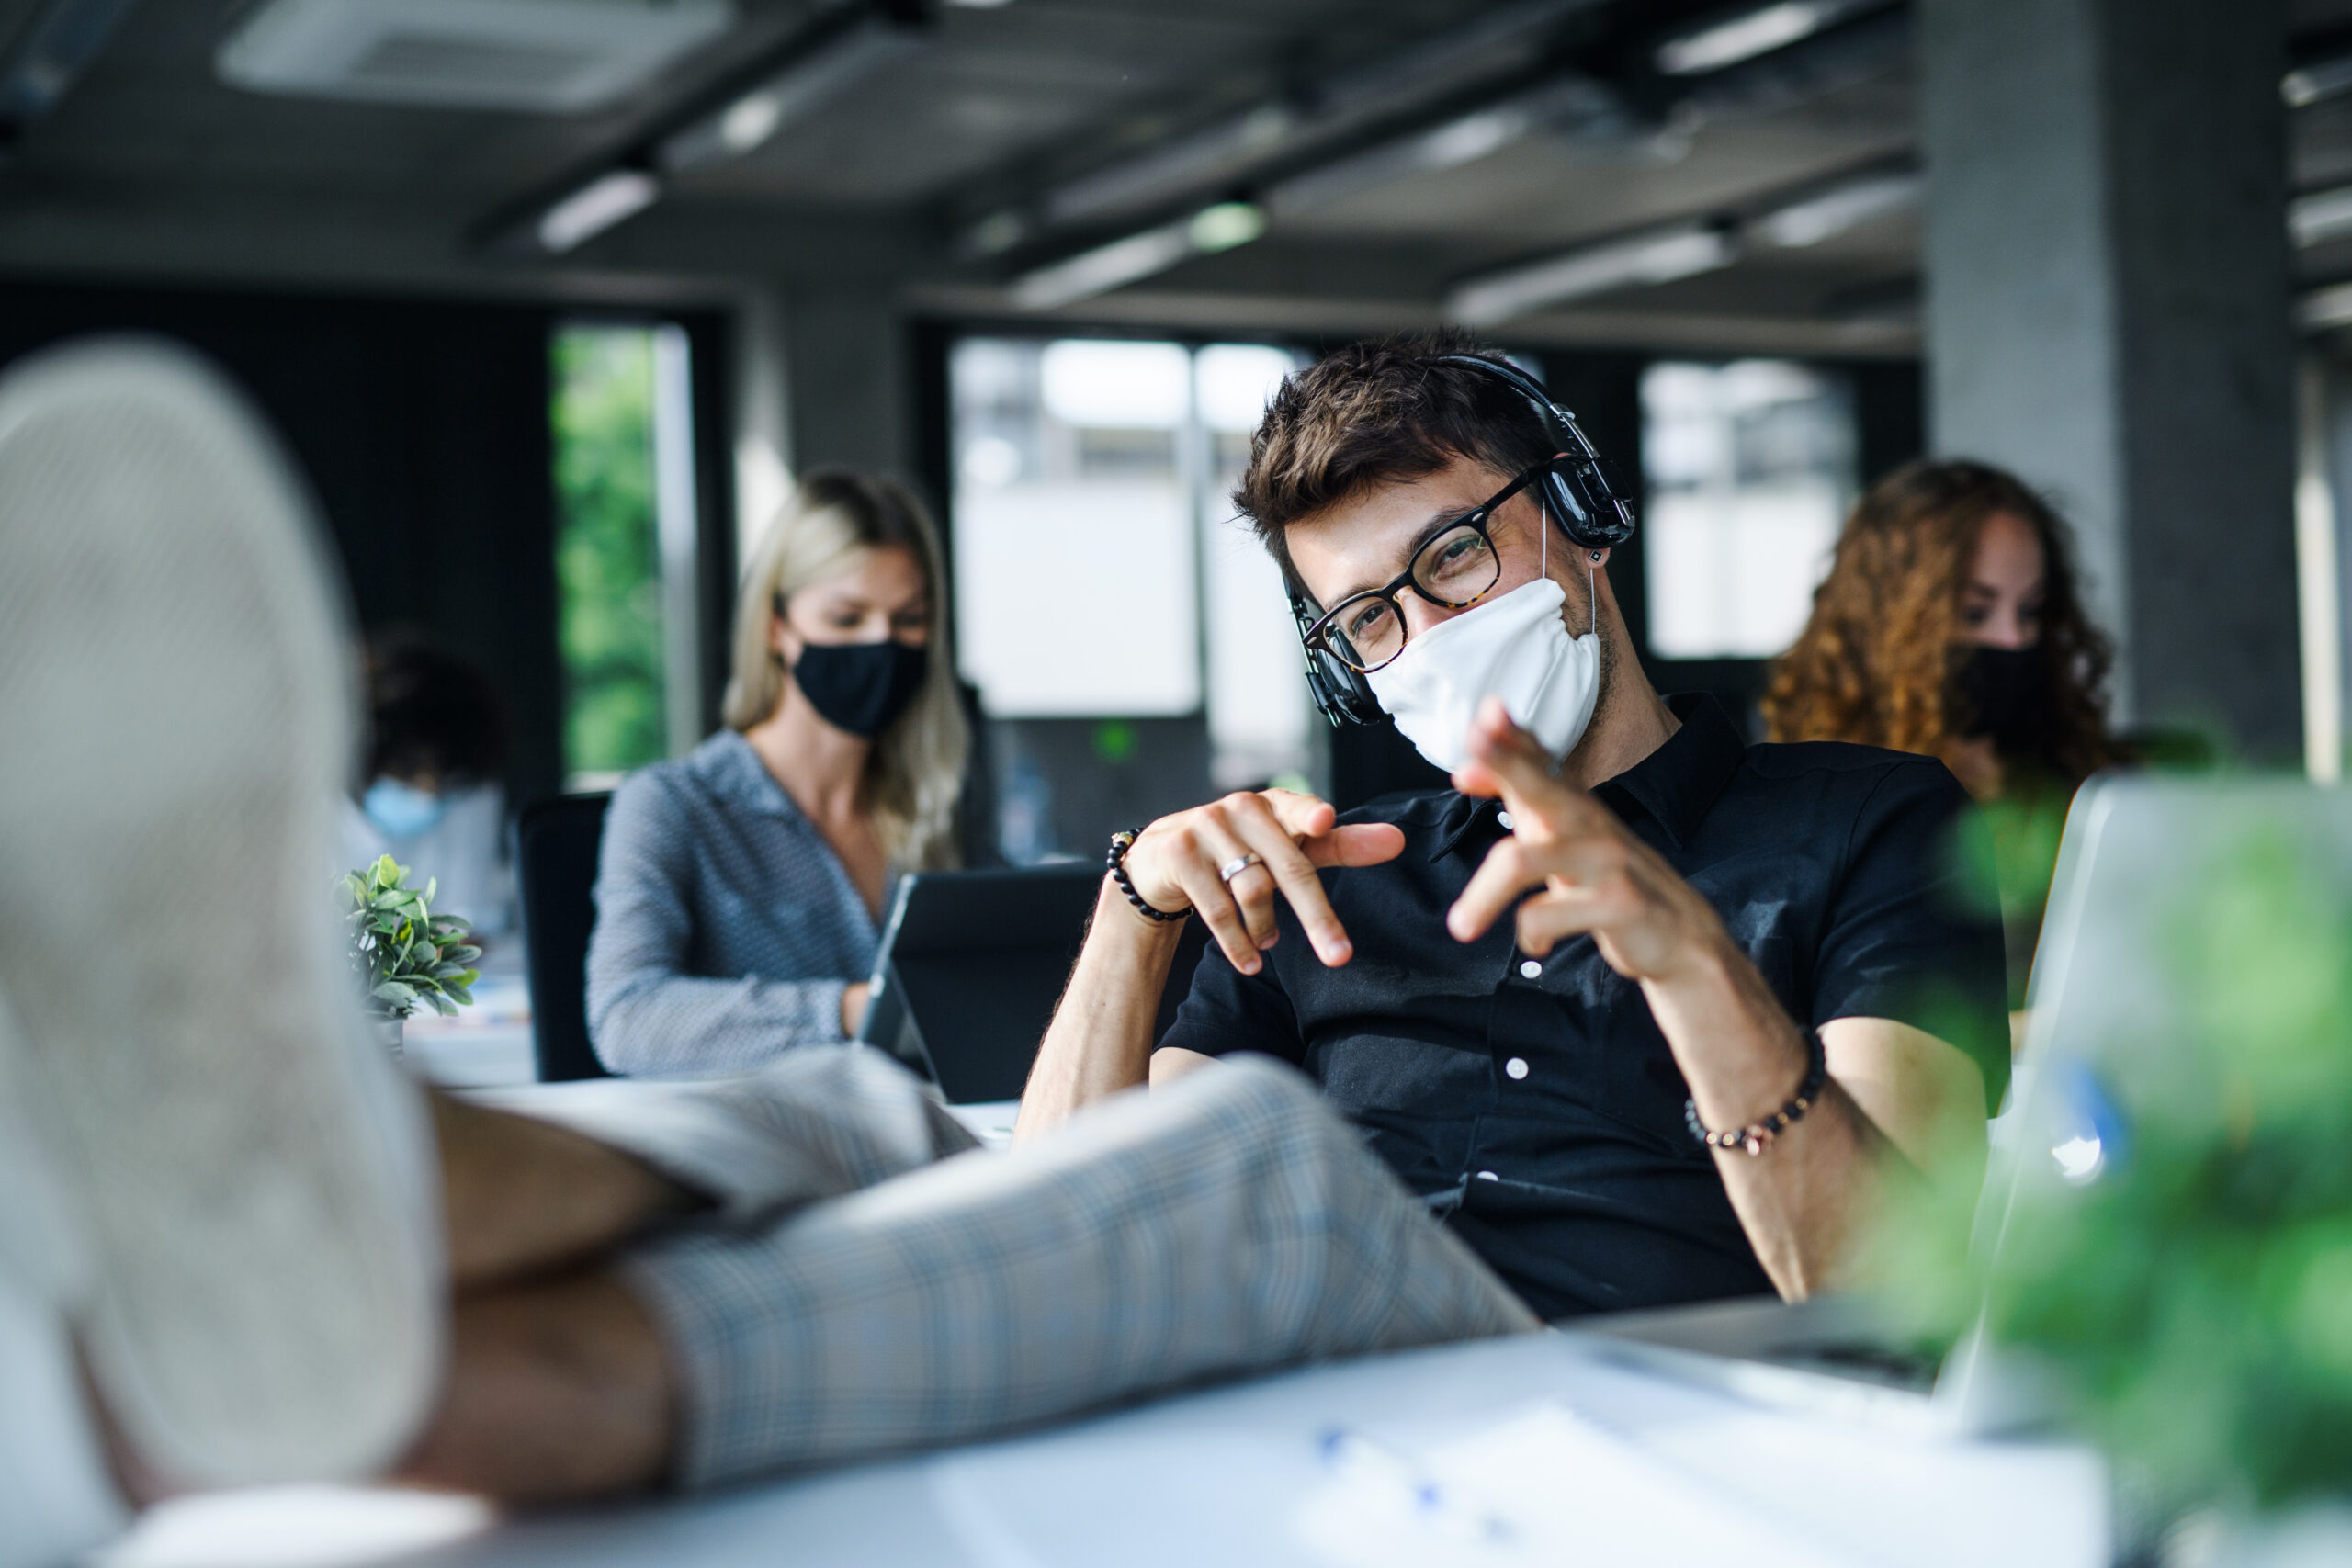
[{"x": 1951, "y": 625}]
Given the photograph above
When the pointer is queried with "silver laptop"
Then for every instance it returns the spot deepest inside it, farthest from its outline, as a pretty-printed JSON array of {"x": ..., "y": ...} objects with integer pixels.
[{"x": 2134, "y": 846}]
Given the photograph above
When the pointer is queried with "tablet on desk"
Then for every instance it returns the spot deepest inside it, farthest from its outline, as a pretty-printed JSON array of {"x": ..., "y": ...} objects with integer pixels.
[{"x": 971, "y": 966}]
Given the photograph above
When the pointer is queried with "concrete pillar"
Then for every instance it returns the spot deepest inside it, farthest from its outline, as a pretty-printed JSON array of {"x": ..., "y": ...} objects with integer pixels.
[
  {"x": 2108, "y": 315},
  {"x": 2324, "y": 519},
  {"x": 846, "y": 361},
  {"x": 762, "y": 434}
]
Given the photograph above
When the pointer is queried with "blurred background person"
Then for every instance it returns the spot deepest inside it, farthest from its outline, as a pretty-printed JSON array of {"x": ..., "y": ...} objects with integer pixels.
[
  {"x": 1951, "y": 625},
  {"x": 741, "y": 887},
  {"x": 430, "y": 796}
]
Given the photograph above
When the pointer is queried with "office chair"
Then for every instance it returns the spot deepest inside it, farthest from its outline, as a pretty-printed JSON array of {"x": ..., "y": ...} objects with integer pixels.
[{"x": 556, "y": 845}]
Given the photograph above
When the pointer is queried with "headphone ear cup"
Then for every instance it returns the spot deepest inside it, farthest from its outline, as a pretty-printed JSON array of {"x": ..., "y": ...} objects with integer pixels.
[
  {"x": 1341, "y": 693},
  {"x": 1341, "y": 690},
  {"x": 1596, "y": 520},
  {"x": 1560, "y": 503}
]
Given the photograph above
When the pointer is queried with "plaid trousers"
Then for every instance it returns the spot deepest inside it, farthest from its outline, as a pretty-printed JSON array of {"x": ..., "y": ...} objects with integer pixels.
[{"x": 907, "y": 1289}]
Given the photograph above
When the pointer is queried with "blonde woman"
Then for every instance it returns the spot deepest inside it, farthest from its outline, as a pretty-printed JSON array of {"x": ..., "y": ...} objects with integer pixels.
[{"x": 740, "y": 886}]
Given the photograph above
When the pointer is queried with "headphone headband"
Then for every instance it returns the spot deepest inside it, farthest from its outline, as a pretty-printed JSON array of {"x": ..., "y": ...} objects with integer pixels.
[{"x": 1576, "y": 496}]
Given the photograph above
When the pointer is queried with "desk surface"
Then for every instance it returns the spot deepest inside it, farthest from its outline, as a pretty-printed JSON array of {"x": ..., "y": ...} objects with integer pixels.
[
  {"x": 1543, "y": 1449},
  {"x": 487, "y": 1045}
]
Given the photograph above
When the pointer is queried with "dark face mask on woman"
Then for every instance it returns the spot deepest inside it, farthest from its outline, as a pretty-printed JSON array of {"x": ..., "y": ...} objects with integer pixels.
[
  {"x": 861, "y": 687},
  {"x": 2000, "y": 692}
]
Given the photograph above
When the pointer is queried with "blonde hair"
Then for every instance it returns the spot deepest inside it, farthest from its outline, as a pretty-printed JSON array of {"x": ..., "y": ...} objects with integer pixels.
[{"x": 916, "y": 769}]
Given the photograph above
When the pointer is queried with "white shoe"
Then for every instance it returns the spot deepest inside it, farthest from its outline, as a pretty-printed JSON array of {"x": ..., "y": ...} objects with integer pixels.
[
  {"x": 56, "y": 1497},
  {"x": 248, "y": 1249}
]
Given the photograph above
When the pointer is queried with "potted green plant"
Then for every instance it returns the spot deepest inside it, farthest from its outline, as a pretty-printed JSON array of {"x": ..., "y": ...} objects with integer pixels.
[
  {"x": 405, "y": 956},
  {"x": 2184, "y": 1293}
]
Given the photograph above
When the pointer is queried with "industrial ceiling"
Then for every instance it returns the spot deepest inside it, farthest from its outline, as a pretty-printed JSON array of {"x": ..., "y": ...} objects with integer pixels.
[{"x": 1658, "y": 173}]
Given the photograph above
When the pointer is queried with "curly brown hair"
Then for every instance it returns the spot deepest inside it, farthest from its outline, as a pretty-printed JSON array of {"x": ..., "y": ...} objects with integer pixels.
[{"x": 1874, "y": 662}]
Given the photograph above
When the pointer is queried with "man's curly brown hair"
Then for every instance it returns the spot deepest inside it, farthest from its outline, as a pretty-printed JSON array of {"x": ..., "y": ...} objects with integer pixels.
[{"x": 1875, "y": 660}]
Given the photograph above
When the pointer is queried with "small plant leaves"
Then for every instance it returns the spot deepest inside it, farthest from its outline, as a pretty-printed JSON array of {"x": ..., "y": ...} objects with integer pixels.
[{"x": 405, "y": 956}]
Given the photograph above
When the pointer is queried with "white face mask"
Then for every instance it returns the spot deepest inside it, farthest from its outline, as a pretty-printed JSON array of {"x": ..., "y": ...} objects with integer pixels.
[{"x": 1515, "y": 647}]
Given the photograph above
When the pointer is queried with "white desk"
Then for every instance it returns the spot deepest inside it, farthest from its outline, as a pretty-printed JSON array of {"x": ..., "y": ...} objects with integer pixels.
[
  {"x": 1237, "y": 1477},
  {"x": 487, "y": 1045}
]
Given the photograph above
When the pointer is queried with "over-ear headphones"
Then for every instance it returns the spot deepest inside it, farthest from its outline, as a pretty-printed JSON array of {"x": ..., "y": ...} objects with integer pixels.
[{"x": 1576, "y": 495}]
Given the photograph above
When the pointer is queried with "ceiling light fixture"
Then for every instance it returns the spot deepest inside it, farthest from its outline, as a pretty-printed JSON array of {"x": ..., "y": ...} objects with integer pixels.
[
  {"x": 516, "y": 56},
  {"x": 1661, "y": 256},
  {"x": 1829, "y": 213},
  {"x": 2317, "y": 83},
  {"x": 1329, "y": 115},
  {"x": 2323, "y": 214},
  {"x": 596, "y": 206},
  {"x": 1449, "y": 146},
  {"x": 1122, "y": 262},
  {"x": 1733, "y": 40},
  {"x": 754, "y": 116},
  {"x": 1146, "y": 178},
  {"x": 2325, "y": 308},
  {"x": 1575, "y": 107}
]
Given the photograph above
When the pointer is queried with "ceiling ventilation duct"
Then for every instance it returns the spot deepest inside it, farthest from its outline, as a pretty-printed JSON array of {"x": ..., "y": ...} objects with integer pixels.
[{"x": 531, "y": 56}]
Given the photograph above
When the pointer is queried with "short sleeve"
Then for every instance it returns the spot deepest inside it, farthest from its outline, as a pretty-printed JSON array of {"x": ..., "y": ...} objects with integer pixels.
[
  {"x": 1225, "y": 1012},
  {"x": 1909, "y": 934}
]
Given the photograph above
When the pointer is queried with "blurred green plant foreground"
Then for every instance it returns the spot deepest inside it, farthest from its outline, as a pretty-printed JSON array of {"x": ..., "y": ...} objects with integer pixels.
[{"x": 2193, "y": 1303}]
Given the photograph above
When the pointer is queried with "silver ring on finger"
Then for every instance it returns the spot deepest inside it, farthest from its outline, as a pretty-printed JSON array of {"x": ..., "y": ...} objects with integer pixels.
[{"x": 1236, "y": 867}]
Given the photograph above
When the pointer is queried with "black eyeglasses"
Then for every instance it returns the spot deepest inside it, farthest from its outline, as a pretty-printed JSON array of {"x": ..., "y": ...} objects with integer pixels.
[{"x": 1455, "y": 569}]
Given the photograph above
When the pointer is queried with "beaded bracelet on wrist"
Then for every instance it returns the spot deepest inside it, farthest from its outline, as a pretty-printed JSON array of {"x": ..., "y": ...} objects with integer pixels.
[
  {"x": 1122, "y": 841},
  {"x": 1757, "y": 1137}
]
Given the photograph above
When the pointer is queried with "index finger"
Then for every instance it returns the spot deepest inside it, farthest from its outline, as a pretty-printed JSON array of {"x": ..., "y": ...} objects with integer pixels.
[
  {"x": 1295, "y": 878},
  {"x": 1312, "y": 823},
  {"x": 1507, "y": 761},
  {"x": 1302, "y": 816}
]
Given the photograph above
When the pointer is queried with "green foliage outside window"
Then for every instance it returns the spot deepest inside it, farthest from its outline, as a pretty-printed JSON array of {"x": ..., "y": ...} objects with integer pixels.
[{"x": 607, "y": 553}]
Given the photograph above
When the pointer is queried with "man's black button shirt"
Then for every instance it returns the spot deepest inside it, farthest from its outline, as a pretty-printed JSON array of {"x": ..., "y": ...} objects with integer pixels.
[{"x": 1535, "y": 1104}]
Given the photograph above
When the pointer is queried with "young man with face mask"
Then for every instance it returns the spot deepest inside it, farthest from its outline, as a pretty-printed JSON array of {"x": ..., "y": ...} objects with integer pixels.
[{"x": 1646, "y": 1015}]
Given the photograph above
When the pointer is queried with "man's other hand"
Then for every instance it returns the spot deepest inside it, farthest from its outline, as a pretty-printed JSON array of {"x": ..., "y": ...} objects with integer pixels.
[
  {"x": 1595, "y": 875},
  {"x": 1174, "y": 865}
]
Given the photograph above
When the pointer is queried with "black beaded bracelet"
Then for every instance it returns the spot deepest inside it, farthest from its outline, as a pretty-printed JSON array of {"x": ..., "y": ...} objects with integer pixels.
[
  {"x": 1120, "y": 842},
  {"x": 1757, "y": 1137}
]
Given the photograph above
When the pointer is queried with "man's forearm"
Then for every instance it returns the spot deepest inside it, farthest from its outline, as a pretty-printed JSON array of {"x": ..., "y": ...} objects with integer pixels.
[
  {"x": 1802, "y": 1200},
  {"x": 1100, "y": 1039}
]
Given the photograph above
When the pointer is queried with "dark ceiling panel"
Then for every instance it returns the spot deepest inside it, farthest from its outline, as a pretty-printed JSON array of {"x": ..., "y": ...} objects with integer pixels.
[
  {"x": 1550, "y": 191},
  {"x": 153, "y": 164}
]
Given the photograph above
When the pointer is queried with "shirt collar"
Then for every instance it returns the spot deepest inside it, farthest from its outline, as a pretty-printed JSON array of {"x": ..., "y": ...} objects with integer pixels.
[
  {"x": 1676, "y": 785},
  {"x": 734, "y": 772}
]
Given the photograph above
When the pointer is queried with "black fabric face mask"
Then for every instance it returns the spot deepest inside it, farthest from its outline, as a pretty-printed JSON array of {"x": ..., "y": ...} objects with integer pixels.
[
  {"x": 861, "y": 687},
  {"x": 1999, "y": 691}
]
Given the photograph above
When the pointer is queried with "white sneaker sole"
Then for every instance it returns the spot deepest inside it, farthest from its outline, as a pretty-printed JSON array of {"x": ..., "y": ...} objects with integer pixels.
[{"x": 251, "y": 1184}]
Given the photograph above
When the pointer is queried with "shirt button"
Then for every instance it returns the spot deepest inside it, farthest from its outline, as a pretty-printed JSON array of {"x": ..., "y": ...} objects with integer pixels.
[
  {"x": 1531, "y": 970},
  {"x": 1515, "y": 1066},
  {"x": 1489, "y": 1176},
  {"x": 1502, "y": 821}
]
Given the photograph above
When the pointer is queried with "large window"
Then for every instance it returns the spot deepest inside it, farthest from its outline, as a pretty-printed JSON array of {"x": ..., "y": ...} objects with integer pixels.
[
  {"x": 1752, "y": 468},
  {"x": 624, "y": 548},
  {"x": 1099, "y": 571}
]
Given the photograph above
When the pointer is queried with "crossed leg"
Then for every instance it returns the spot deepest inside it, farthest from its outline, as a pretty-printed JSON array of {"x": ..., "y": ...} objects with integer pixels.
[
  {"x": 1229, "y": 1225},
  {"x": 224, "y": 1209},
  {"x": 556, "y": 1384}
]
